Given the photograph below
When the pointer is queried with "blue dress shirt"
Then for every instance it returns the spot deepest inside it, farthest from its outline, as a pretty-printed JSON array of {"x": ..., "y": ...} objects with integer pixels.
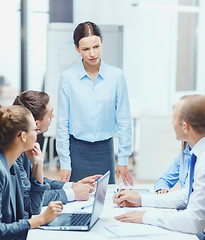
[
  {"x": 93, "y": 111},
  {"x": 178, "y": 171}
]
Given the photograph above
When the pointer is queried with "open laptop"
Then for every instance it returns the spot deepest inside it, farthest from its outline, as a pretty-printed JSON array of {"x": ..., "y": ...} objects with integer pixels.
[{"x": 82, "y": 221}]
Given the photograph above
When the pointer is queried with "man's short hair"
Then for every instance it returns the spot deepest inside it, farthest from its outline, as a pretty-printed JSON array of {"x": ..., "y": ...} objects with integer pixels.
[
  {"x": 193, "y": 112},
  {"x": 35, "y": 101}
]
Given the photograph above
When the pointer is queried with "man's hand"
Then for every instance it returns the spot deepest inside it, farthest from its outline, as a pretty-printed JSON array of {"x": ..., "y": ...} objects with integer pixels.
[
  {"x": 82, "y": 191},
  {"x": 162, "y": 191},
  {"x": 133, "y": 217},
  {"x": 64, "y": 175},
  {"x": 127, "y": 198},
  {"x": 124, "y": 173},
  {"x": 90, "y": 180}
]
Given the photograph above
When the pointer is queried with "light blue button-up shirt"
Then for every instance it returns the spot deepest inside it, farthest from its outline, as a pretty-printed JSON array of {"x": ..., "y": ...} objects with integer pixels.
[
  {"x": 93, "y": 111},
  {"x": 178, "y": 171}
]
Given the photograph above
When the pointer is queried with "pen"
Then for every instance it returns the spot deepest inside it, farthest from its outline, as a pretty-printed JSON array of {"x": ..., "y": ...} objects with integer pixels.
[
  {"x": 118, "y": 191},
  {"x": 87, "y": 206},
  {"x": 95, "y": 180},
  {"x": 111, "y": 231}
]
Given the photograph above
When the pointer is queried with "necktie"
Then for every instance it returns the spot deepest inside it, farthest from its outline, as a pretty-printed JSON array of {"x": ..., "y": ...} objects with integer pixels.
[{"x": 192, "y": 166}]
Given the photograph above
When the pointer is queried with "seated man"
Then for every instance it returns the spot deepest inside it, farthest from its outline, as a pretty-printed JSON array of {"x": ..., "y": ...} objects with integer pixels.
[
  {"x": 39, "y": 105},
  {"x": 189, "y": 126}
]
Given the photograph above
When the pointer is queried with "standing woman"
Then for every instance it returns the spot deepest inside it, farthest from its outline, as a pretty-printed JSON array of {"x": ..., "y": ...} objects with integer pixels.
[
  {"x": 17, "y": 135},
  {"x": 92, "y": 107}
]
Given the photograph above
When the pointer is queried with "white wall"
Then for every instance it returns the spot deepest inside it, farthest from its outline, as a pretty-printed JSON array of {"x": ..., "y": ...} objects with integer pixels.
[
  {"x": 38, "y": 19},
  {"x": 157, "y": 146},
  {"x": 10, "y": 43}
]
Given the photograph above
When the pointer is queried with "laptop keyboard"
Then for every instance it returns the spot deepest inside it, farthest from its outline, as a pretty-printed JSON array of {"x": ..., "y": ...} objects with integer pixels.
[{"x": 80, "y": 219}]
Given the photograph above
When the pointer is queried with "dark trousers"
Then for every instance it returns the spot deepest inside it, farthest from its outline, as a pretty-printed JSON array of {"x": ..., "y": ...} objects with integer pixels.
[{"x": 89, "y": 158}]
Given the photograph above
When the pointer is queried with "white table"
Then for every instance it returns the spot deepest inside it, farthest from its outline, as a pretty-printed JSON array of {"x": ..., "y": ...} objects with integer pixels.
[{"x": 100, "y": 230}]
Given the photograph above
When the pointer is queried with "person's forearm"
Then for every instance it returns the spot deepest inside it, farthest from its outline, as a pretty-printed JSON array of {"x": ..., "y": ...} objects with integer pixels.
[
  {"x": 37, "y": 172},
  {"x": 181, "y": 221},
  {"x": 62, "y": 128},
  {"x": 55, "y": 195},
  {"x": 175, "y": 199}
]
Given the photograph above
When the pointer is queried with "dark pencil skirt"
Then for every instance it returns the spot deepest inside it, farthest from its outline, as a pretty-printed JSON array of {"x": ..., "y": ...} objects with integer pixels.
[{"x": 89, "y": 158}]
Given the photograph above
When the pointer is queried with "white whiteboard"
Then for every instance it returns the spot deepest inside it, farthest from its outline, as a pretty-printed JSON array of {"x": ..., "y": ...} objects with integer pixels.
[{"x": 61, "y": 54}]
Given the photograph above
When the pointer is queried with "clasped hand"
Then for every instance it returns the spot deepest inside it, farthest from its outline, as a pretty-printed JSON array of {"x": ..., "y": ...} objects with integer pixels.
[
  {"x": 84, "y": 187},
  {"x": 129, "y": 198}
]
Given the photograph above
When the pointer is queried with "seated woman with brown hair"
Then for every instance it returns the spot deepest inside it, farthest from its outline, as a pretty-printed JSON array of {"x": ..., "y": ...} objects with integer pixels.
[{"x": 17, "y": 135}]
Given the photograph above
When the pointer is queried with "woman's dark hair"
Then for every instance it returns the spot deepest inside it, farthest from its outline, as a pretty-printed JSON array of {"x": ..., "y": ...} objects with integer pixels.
[
  {"x": 12, "y": 120},
  {"x": 35, "y": 101},
  {"x": 86, "y": 29}
]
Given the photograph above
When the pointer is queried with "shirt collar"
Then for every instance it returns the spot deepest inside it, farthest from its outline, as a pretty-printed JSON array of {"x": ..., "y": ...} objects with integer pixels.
[
  {"x": 83, "y": 73},
  {"x": 199, "y": 147},
  {"x": 102, "y": 69}
]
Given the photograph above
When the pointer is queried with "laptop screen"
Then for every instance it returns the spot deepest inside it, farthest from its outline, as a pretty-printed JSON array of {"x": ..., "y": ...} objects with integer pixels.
[{"x": 99, "y": 197}]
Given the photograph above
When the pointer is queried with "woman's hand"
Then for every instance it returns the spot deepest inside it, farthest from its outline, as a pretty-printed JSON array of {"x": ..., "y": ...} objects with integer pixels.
[
  {"x": 124, "y": 173},
  {"x": 53, "y": 210}
]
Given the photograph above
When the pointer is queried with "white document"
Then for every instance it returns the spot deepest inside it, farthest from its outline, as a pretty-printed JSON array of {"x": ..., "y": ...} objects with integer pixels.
[
  {"x": 113, "y": 228},
  {"x": 120, "y": 229}
]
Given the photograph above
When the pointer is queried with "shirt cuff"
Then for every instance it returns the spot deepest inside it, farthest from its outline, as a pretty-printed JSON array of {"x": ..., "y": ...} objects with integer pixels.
[
  {"x": 159, "y": 186},
  {"x": 67, "y": 185},
  {"x": 70, "y": 194},
  {"x": 122, "y": 161},
  {"x": 37, "y": 186}
]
